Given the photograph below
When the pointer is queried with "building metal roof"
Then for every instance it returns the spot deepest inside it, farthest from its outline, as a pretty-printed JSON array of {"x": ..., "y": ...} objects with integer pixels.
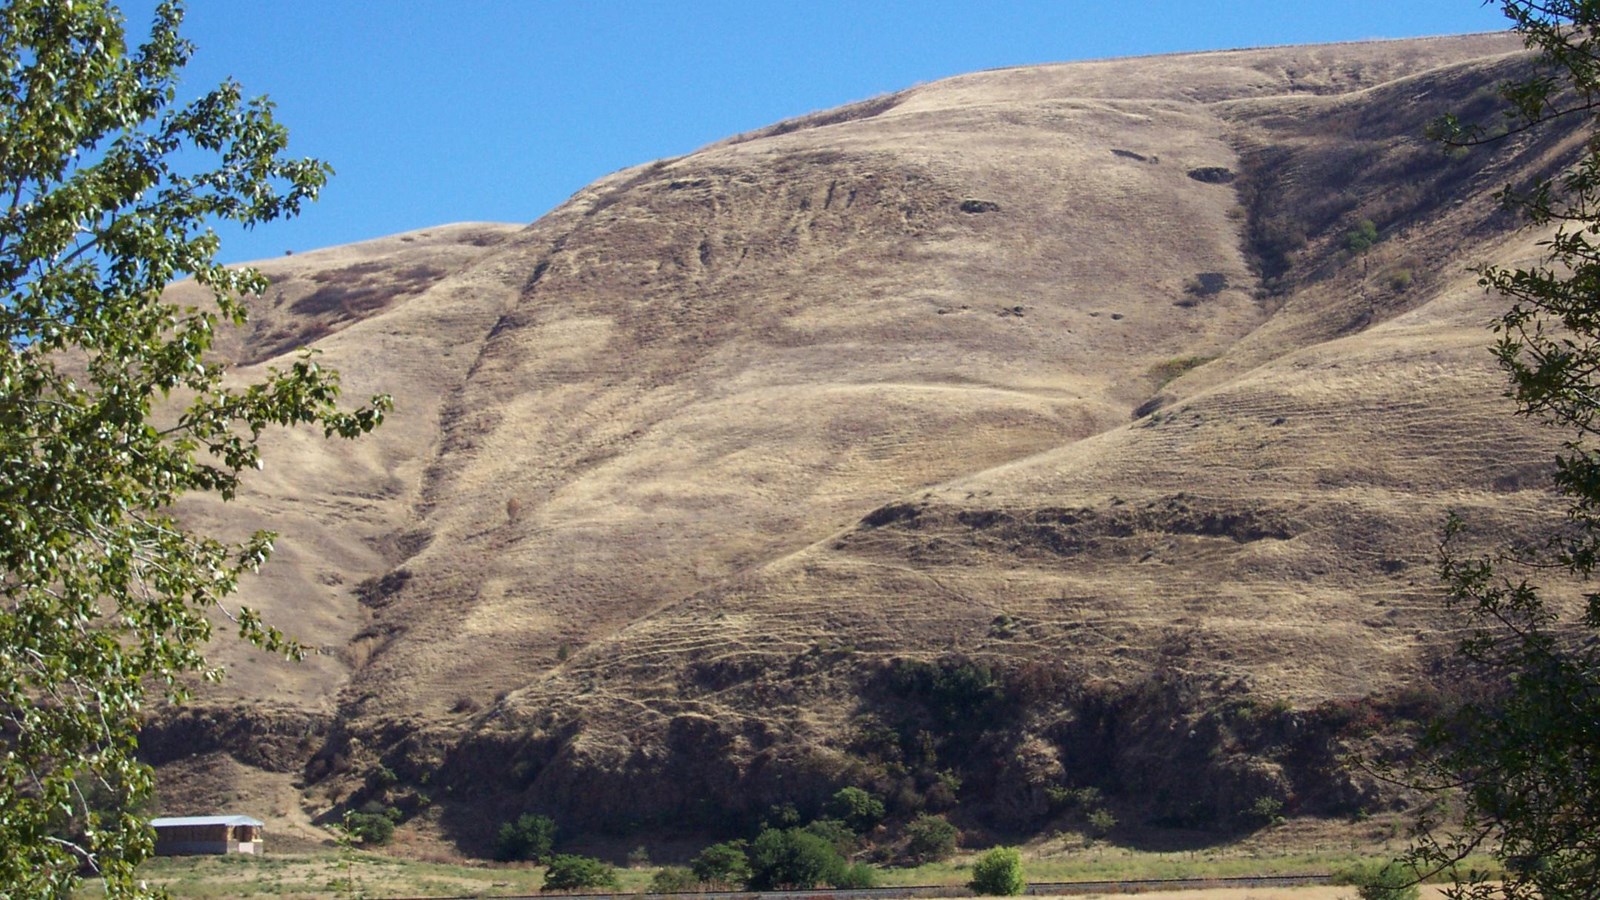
[{"x": 185, "y": 821}]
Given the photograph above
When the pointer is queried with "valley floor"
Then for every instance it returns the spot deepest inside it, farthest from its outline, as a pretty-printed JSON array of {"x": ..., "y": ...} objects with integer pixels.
[
  {"x": 1328, "y": 892},
  {"x": 328, "y": 873}
]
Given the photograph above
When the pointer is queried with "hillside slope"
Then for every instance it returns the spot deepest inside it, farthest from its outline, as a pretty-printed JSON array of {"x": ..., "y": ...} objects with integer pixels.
[{"x": 1021, "y": 428}]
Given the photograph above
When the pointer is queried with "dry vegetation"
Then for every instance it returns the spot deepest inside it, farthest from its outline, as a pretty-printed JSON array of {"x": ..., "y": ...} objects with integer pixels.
[{"x": 704, "y": 489}]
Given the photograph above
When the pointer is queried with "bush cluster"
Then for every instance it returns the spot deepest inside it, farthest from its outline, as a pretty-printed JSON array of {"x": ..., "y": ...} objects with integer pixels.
[
  {"x": 1360, "y": 239},
  {"x": 930, "y": 838},
  {"x": 724, "y": 864},
  {"x": 566, "y": 872},
  {"x": 998, "y": 873},
  {"x": 531, "y": 837},
  {"x": 371, "y": 828},
  {"x": 788, "y": 855},
  {"x": 858, "y": 810},
  {"x": 784, "y": 855},
  {"x": 793, "y": 859}
]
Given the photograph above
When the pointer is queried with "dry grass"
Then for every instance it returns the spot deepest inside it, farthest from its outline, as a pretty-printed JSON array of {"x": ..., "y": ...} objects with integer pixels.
[
  {"x": 326, "y": 873},
  {"x": 1429, "y": 892},
  {"x": 694, "y": 380}
]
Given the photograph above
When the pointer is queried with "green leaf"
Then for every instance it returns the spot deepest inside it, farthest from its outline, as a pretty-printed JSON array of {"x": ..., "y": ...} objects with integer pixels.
[{"x": 104, "y": 595}]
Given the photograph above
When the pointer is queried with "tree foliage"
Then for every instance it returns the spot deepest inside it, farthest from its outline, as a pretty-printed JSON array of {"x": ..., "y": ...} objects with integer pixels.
[
  {"x": 857, "y": 809},
  {"x": 842, "y": 837},
  {"x": 370, "y": 829},
  {"x": 1524, "y": 749},
  {"x": 111, "y": 410},
  {"x": 998, "y": 873},
  {"x": 931, "y": 838},
  {"x": 793, "y": 859},
  {"x": 530, "y": 837},
  {"x": 725, "y": 864},
  {"x": 1361, "y": 238},
  {"x": 567, "y": 872}
]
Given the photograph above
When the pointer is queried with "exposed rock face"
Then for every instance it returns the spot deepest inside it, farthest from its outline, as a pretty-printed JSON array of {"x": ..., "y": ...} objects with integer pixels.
[{"x": 1021, "y": 433}]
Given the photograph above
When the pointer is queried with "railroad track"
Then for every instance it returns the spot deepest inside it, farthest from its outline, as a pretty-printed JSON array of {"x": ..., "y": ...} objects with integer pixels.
[{"x": 1048, "y": 888}]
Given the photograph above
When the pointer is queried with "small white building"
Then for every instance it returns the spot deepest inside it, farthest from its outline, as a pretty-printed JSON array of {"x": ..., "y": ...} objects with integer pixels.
[{"x": 191, "y": 835}]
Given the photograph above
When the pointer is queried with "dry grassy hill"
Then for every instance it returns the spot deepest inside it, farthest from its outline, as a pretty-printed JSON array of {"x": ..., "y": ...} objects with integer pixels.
[{"x": 1031, "y": 430}]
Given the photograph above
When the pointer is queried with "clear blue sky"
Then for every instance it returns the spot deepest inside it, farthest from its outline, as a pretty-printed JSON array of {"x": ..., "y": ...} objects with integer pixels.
[{"x": 455, "y": 110}]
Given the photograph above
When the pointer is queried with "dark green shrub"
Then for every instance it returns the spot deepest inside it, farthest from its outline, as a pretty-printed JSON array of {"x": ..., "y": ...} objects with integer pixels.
[
  {"x": 373, "y": 829},
  {"x": 931, "y": 838},
  {"x": 1082, "y": 801},
  {"x": 781, "y": 815},
  {"x": 567, "y": 872},
  {"x": 724, "y": 864},
  {"x": 1361, "y": 238},
  {"x": 674, "y": 880},
  {"x": 1101, "y": 821},
  {"x": 841, "y": 836},
  {"x": 530, "y": 837},
  {"x": 793, "y": 859},
  {"x": 857, "y": 876},
  {"x": 998, "y": 873},
  {"x": 856, "y": 808},
  {"x": 1059, "y": 797},
  {"x": 1266, "y": 810},
  {"x": 942, "y": 793},
  {"x": 961, "y": 694}
]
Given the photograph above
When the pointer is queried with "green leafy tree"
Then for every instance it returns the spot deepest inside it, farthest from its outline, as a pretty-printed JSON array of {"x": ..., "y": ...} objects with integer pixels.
[
  {"x": 566, "y": 872},
  {"x": 793, "y": 859},
  {"x": 857, "y": 809},
  {"x": 371, "y": 829},
  {"x": 530, "y": 837},
  {"x": 1522, "y": 750},
  {"x": 724, "y": 864},
  {"x": 931, "y": 838},
  {"x": 998, "y": 873},
  {"x": 112, "y": 409},
  {"x": 843, "y": 838},
  {"x": 1101, "y": 822}
]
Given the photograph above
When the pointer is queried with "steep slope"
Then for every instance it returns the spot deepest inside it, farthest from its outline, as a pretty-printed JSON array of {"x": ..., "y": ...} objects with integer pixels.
[
  {"x": 995, "y": 428},
  {"x": 402, "y": 315}
]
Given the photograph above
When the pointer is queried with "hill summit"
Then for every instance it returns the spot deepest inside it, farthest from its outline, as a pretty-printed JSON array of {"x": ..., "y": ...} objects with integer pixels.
[{"x": 1041, "y": 429}]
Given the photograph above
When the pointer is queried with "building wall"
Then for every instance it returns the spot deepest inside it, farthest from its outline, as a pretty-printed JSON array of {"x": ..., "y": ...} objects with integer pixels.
[
  {"x": 191, "y": 848},
  {"x": 203, "y": 839}
]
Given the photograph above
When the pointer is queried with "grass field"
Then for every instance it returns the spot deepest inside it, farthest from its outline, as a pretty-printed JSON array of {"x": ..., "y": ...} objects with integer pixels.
[{"x": 330, "y": 874}]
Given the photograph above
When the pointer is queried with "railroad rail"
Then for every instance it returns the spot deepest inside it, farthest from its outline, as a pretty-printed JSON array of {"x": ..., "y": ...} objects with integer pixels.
[{"x": 1047, "y": 888}]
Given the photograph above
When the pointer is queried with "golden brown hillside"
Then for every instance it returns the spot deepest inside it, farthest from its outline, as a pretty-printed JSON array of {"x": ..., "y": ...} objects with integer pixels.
[{"x": 1032, "y": 430}]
